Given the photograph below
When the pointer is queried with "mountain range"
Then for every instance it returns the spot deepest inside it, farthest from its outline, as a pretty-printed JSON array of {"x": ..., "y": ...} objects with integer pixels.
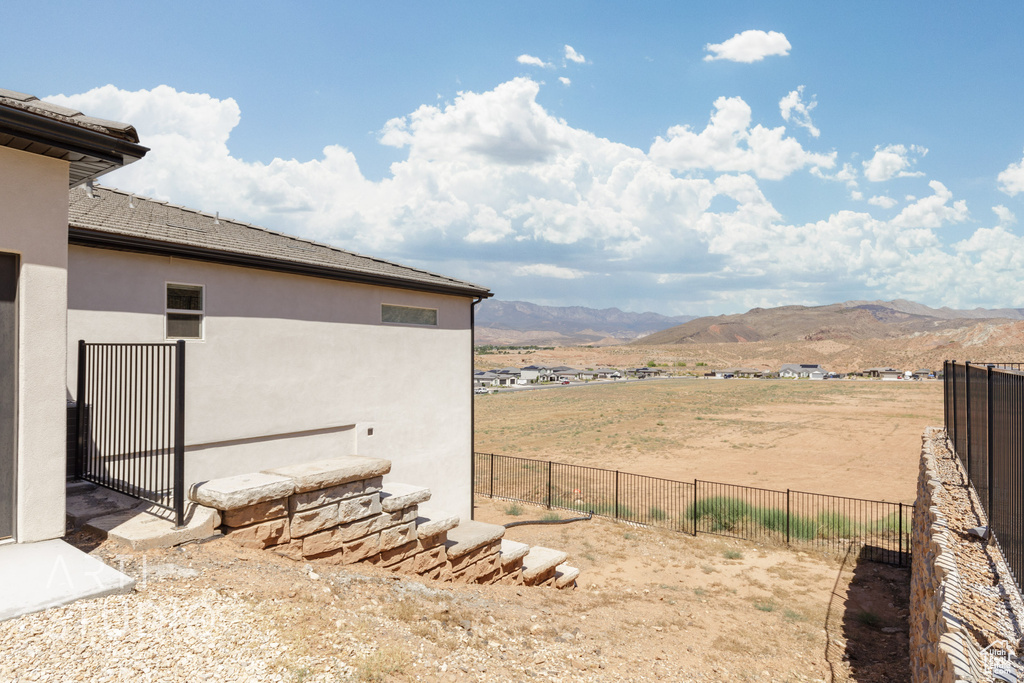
[
  {"x": 850, "y": 320},
  {"x": 524, "y": 323},
  {"x": 521, "y": 322}
]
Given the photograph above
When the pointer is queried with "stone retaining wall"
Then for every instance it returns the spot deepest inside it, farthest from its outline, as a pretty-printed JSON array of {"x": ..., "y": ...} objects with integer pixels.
[
  {"x": 339, "y": 511},
  {"x": 963, "y": 599},
  {"x": 335, "y": 514}
]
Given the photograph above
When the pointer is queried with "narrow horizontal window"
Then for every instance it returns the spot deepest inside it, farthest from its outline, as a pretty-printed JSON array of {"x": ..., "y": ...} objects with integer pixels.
[
  {"x": 408, "y": 315},
  {"x": 184, "y": 311}
]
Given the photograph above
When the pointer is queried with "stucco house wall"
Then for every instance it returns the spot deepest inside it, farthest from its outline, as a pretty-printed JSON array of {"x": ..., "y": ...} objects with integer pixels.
[
  {"x": 294, "y": 368},
  {"x": 34, "y": 225}
]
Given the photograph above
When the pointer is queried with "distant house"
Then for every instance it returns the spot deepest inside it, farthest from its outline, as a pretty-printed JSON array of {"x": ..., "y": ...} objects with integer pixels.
[
  {"x": 740, "y": 372},
  {"x": 484, "y": 379},
  {"x": 801, "y": 370},
  {"x": 891, "y": 375},
  {"x": 876, "y": 373},
  {"x": 535, "y": 373},
  {"x": 507, "y": 377},
  {"x": 600, "y": 373},
  {"x": 642, "y": 373},
  {"x": 924, "y": 373}
]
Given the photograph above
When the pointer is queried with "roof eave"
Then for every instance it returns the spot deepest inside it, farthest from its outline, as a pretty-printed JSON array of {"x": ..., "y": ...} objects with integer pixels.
[
  {"x": 111, "y": 151},
  {"x": 84, "y": 237}
]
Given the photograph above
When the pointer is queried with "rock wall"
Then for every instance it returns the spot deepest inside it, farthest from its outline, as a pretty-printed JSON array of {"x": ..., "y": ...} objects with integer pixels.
[
  {"x": 340, "y": 511},
  {"x": 965, "y": 609}
]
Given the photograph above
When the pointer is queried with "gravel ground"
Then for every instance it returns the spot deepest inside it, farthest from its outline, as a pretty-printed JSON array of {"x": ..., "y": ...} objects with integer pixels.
[{"x": 217, "y": 612}]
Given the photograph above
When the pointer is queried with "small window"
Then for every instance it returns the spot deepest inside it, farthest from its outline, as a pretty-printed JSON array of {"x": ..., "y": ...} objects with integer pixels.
[
  {"x": 184, "y": 311},
  {"x": 408, "y": 315}
]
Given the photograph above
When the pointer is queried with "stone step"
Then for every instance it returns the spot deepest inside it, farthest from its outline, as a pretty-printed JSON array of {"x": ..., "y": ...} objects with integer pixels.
[
  {"x": 540, "y": 560},
  {"x": 432, "y": 522},
  {"x": 322, "y": 474},
  {"x": 512, "y": 551},
  {"x": 565, "y": 576},
  {"x": 145, "y": 528},
  {"x": 395, "y": 497},
  {"x": 230, "y": 493},
  {"x": 470, "y": 535}
]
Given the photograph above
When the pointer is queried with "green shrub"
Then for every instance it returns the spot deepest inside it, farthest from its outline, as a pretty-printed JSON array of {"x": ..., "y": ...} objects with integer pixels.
[
  {"x": 835, "y": 525},
  {"x": 514, "y": 510},
  {"x": 725, "y": 513},
  {"x": 656, "y": 513}
]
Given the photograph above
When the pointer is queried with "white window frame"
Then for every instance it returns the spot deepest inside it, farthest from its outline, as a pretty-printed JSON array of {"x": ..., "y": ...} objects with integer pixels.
[
  {"x": 201, "y": 312},
  {"x": 437, "y": 315}
]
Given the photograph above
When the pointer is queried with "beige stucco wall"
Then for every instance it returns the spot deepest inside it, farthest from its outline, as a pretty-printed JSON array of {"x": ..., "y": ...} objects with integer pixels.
[
  {"x": 34, "y": 224},
  {"x": 295, "y": 369}
]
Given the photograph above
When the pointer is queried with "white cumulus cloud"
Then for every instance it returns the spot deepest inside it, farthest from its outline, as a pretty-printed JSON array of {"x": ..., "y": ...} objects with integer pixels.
[
  {"x": 548, "y": 270},
  {"x": 530, "y": 60},
  {"x": 1011, "y": 179},
  {"x": 573, "y": 56},
  {"x": 729, "y": 143},
  {"x": 1006, "y": 217},
  {"x": 564, "y": 81},
  {"x": 493, "y": 188},
  {"x": 749, "y": 46},
  {"x": 893, "y": 161},
  {"x": 882, "y": 201},
  {"x": 793, "y": 108},
  {"x": 934, "y": 211}
]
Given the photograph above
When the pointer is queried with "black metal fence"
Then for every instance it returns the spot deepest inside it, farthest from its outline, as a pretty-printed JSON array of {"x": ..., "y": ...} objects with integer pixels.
[
  {"x": 984, "y": 405},
  {"x": 131, "y": 420},
  {"x": 831, "y": 523}
]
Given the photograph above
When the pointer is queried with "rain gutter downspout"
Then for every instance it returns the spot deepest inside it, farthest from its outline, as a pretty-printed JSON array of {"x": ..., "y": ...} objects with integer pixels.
[{"x": 472, "y": 408}]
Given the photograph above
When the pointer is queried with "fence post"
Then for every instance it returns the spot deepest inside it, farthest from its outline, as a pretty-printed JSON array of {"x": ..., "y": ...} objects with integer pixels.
[
  {"x": 179, "y": 433},
  {"x": 787, "y": 516},
  {"x": 900, "y": 559},
  {"x": 967, "y": 419},
  {"x": 988, "y": 439},
  {"x": 80, "y": 411},
  {"x": 549, "y": 484},
  {"x": 950, "y": 376},
  {"x": 694, "y": 507},
  {"x": 616, "y": 494},
  {"x": 491, "y": 495}
]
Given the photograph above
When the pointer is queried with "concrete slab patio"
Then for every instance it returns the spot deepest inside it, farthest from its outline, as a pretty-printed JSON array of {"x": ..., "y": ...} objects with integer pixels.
[{"x": 38, "y": 576}]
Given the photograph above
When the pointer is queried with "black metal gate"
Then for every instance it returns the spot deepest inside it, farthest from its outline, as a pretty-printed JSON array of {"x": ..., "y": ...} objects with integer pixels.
[{"x": 131, "y": 420}]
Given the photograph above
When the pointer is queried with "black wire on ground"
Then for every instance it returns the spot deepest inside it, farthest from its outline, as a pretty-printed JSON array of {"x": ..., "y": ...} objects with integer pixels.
[{"x": 550, "y": 521}]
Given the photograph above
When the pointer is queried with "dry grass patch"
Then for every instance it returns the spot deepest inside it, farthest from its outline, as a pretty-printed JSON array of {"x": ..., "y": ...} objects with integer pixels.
[{"x": 852, "y": 438}]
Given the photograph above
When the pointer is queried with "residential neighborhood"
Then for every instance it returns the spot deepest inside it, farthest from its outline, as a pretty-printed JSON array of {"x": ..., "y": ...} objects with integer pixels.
[{"x": 533, "y": 376}]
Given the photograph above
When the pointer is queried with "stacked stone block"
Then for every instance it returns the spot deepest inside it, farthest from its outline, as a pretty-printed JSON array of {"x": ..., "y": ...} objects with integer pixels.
[
  {"x": 339, "y": 511},
  {"x": 942, "y": 647}
]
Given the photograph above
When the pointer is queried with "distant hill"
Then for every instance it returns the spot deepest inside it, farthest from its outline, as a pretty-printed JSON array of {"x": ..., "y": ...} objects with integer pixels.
[
  {"x": 521, "y": 322},
  {"x": 849, "y": 320}
]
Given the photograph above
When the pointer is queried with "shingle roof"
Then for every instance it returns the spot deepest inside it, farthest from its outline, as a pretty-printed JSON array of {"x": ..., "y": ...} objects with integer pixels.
[
  {"x": 90, "y": 145},
  {"x": 31, "y": 103},
  {"x": 115, "y": 219}
]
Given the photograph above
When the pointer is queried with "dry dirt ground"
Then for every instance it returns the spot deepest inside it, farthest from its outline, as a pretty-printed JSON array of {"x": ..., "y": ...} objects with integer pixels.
[
  {"x": 857, "y": 438},
  {"x": 651, "y": 606},
  {"x": 981, "y": 342}
]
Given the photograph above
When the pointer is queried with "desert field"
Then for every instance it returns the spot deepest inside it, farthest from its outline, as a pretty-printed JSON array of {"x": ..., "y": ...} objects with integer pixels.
[{"x": 844, "y": 437}]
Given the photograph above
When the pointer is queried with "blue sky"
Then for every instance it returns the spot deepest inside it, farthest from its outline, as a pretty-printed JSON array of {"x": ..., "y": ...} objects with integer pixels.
[{"x": 685, "y": 158}]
